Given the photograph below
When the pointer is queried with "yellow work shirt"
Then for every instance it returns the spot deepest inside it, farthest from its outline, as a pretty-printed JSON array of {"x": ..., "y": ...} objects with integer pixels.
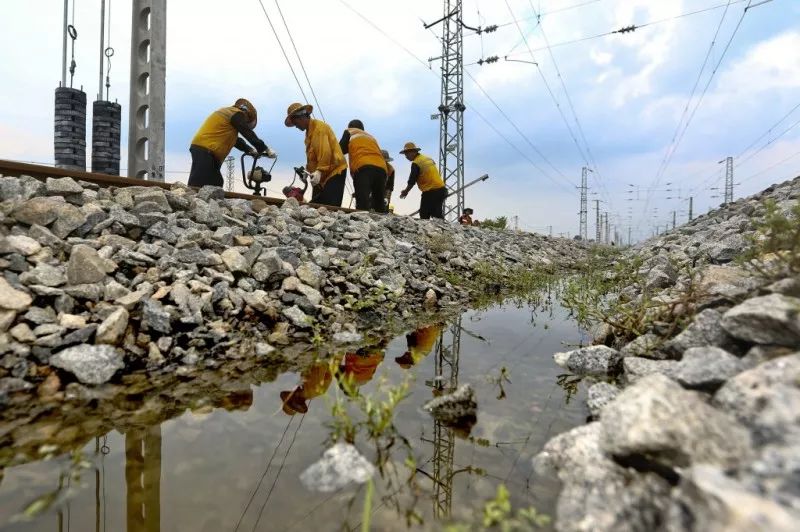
[
  {"x": 363, "y": 150},
  {"x": 424, "y": 340},
  {"x": 429, "y": 178},
  {"x": 217, "y": 134},
  {"x": 323, "y": 152}
]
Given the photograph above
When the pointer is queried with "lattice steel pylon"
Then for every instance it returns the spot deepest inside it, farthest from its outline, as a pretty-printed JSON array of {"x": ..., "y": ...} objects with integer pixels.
[
  {"x": 230, "y": 163},
  {"x": 448, "y": 350},
  {"x": 728, "y": 180},
  {"x": 584, "y": 213},
  {"x": 451, "y": 109}
]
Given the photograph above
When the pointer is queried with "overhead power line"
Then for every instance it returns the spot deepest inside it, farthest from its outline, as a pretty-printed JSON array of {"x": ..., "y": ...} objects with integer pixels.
[
  {"x": 765, "y": 170},
  {"x": 300, "y": 59},
  {"x": 626, "y": 29}
]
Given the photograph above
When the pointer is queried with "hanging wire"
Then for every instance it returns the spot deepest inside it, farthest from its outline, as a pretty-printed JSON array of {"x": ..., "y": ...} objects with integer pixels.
[
  {"x": 73, "y": 34},
  {"x": 109, "y": 53}
]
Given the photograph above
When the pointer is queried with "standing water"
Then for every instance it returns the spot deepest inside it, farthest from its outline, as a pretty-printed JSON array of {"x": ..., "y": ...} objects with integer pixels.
[{"x": 235, "y": 462}]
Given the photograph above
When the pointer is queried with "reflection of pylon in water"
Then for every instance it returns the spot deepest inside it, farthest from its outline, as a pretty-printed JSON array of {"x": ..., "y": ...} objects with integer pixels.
[{"x": 448, "y": 350}]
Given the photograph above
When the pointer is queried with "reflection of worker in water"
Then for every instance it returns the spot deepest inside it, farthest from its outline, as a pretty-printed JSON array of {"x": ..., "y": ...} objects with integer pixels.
[
  {"x": 420, "y": 344},
  {"x": 316, "y": 380},
  {"x": 359, "y": 367}
]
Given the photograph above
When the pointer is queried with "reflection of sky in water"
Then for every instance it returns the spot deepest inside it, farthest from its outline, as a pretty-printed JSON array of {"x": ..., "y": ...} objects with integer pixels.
[{"x": 215, "y": 464}]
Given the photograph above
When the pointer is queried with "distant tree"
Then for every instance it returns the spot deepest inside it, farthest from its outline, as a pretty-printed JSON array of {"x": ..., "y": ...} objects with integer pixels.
[{"x": 501, "y": 222}]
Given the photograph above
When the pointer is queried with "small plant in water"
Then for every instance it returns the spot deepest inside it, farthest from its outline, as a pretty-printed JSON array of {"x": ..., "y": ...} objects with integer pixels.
[{"x": 497, "y": 514}]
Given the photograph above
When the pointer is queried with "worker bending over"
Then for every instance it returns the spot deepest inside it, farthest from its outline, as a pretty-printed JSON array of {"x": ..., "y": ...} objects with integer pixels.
[
  {"x": 324, "y": 158},
  {"x": 218, "y": 135},
  {"x": 367, "y": 166},
  {"x": 389, "y": 178},
  {"x": 426, "y": 176},
  {"x": 466, "y": 217}
]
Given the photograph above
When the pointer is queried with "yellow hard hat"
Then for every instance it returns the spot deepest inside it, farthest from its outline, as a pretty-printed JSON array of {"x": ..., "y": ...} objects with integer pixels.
[
  {"x": 248, "y": 109},
  {"x": 297, "y": 109},
  {"x": 409, "y": 146}
]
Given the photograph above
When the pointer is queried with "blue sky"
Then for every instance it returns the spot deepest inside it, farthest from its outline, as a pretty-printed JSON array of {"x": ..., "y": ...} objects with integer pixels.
[{"x": 628, "y": 91}]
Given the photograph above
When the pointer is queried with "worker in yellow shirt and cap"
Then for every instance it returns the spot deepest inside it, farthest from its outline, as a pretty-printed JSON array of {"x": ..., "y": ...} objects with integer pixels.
[
  {"x": 367, "y": 166},
  {"x": 324, "y": 158},
  {"x": 425, "y": 175},
  {"x": 218, "y": 134},
  {"x": 420, "y": 343}
]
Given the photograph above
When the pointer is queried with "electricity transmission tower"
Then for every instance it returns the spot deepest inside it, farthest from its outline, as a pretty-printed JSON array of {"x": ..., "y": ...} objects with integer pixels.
[
  {"x": 597, "y": 220},
  {"x": 230, "y": 164},
  {"x": 451, "y": 108},
  {"x": 728, "y": 180},
  {"x": 584, "y": 204}
]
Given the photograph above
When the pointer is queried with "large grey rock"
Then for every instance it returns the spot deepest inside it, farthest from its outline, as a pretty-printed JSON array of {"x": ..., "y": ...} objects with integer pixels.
[
  {"x": 647, "y": 345},
  {"x": 706, "y": 368},
  {"x": 45, "y": 275},
  {"x": 599, "y": 395},
  {"x": 234, "y": 261},
  {"x": 766, "y": 399},
  {"x": 657, "y": 419},
  {"x": 592, "y": 360},
  {"x": 91, "y": 364},
  {"x": 634, "y": 368},
  {"x": 69, "y": 219},
  {"x": 705, "y": 330},
  {"x": 718, "y": 284},
  {"x": 113, "y": 327},
  {"x": 156, "y": 317},
  {"x": 23, "y": 244},
  {"x": 772, "y": 319},
  {"x": 708, "y": 500},
  {"x": 11, "y": 298},
  {"x": 310, "y": 274},
  {"x": 85, "y": 266},
  {"x": 339, "y": 466},
  {"x": 297, "y": 317},
  {"x": 39, "y": 211},
  {"x": 597, "y": 493},
  {"x": 454, "y": 408},
  {"x": 62, "y": 186}
]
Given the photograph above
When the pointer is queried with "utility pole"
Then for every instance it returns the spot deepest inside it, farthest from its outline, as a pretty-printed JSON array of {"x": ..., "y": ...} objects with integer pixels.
[
  {"x": 629, "y": 236},
  {"x": 584, "y": 207},
  {"x": 608, "y": 235},
  {"x": 516, "y": 223},
  {"x": 674, "y": 214},
  {"x": 230, "y": 162},
  {"x": 550, "y": 227},
  {"x": 597, "y": 220},
  {"x": 451, "y": 108},
  {"x": 728, "y": 180},
  {"x": 148, "y": 90},
  {"x": 691, "y": 207}
]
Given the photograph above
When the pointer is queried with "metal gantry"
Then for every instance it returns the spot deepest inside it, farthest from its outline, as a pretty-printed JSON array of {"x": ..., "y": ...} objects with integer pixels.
[
  {"x": 146, "y": 130},
  {"x": 451, "y": 109},
  {"x": 728, "y": 180}
]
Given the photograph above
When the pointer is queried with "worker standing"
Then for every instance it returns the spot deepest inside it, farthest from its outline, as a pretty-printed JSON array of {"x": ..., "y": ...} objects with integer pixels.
[
  {"x": 324, "y": 158},
  {"x": 218, "y": 134},
  {"x": 389, "y": 178},
  {"x": 367, "y": 166},
  {"x": 426, "y": 176}
]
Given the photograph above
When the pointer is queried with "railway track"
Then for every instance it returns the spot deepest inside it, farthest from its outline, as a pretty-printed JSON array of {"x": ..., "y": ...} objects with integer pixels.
[{"x": 42, "y": 172}]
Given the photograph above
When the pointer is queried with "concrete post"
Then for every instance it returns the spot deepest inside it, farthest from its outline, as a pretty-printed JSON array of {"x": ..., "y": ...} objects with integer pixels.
[{"x": 146, "y": 130}]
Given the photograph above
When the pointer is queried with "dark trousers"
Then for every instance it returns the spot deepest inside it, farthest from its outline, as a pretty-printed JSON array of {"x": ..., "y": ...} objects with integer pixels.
[
  {"x": 205, "y": 168},
  {"x": 369, "y": 183},
  {"x": 431, "y": 205},
  {"x": 333, "y": 191}
]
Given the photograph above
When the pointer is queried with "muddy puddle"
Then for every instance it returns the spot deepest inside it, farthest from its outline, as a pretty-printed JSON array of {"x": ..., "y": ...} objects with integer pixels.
[{"x": 233, "y": 461}]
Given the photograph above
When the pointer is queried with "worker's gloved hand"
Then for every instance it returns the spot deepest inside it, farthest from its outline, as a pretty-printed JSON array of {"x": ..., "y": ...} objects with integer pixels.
[
  {"x": 270, "y": 154},
  {"x": 252, "y": 152},
  {"x": 403, "y": 194},
  {"x": 260, "y": 146},
  {"x": 316, "y": 177}
]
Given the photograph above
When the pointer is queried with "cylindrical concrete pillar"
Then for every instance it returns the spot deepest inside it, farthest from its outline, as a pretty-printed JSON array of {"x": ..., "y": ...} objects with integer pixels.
[
  {"x": 69, "y": 141},
  {"x": 106, "y": 117}
]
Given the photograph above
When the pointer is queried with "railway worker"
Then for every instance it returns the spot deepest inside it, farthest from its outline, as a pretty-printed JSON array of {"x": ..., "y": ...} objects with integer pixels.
[
  {"x": 324, "y": 158},
  {"x": 420, "y": 343},
  {"x": 316, "y": 380},
  {"x": 218, "y": 135},
  {"x": 389, "y": 178},
  {"x": 426, "y": 176},
  {"x": 466, "y": 217},
  {"x": 367, "y": 166}
]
